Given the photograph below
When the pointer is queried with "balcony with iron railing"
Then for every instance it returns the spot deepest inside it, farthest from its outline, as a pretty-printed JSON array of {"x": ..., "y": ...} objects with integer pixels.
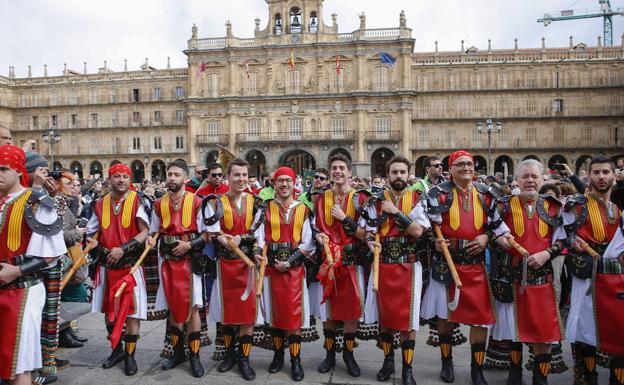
[
  {"x": 297, "y": 136},
  {"x": 518, "y": 112},
  {"x": 383, "y": 136},
  {"x": 68, "y": 150}
]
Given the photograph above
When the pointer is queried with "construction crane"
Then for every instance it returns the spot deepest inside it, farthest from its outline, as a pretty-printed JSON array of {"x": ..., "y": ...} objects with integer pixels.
[{"x": 606, "y": 12}]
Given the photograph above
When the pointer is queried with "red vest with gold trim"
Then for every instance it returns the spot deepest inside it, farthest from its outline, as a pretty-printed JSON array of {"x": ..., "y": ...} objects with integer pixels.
[
  {"x": 182, "y": 221},
  {"x": 597, "y": 228},
  {"x": 14, "y": 231},
  {"x": 235, "y": 221},
  {"x": 278, "y": 230},
  {"x": 325, "y": 221},
  {"x": 406, "y": 204},
  {"x": 466, "y": 218},
  {"x": 117, "y": 229}
]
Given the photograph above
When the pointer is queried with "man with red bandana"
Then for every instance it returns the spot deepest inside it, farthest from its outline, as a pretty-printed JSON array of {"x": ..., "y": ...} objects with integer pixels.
[
  {"x": 285, "y": 231},
  {"x": 399, "y": 219},
  {"x": 595, "y": 319},
  {"x": 523, "y": 285},
  {"x": 177, "y": 217},
  {"x": 342, "y": 298},
  {"x": 465, "y": 213},
  {"x": 31, "y": 239},
  {"x": 231, "y": 218},
  {"x": 123, "y": 226}
]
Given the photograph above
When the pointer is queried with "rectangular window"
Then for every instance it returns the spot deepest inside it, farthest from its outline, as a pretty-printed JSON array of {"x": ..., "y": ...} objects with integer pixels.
[
  {"x": 179, "y": 91},
  {"x": 213, "y": 128},
  {"x": 93, "y": 97},
  {"x": 558, "y": 105},
  {"x": 74, "y": 120},
  {"x": 380, "y": 79},
  {"x": 251, "y": 83},
  {"x": 531, "y": 83},
  {"x": 253, "y": 129},
  {"x": 94, "y": 120},
  {"x": 35, "y": 101},
  {"x": 136, "y": 95},
  {"x": 586, "y": 133},
  {"x": 338, "y": 127},
  {"x": 157, "y": 94},
  {"x": 136, "y": 144},
  {"x": 531, "y": 134},
  {"x": 423, "y": 134},
  {"x": 295, "y": 129},
  {"x": 558, "y": 133},
  {"x": 157, "y": 116},
  {"x": 35, "y": 122},
  {"x": 53, "y": 99},
  {"x": 531, "y": 105},
  {"x": 179, "y": 115},
  {"x": 212, "y": 86},
  {"x": 136, "y": 117},
  {"x": 179, "y": 142},
  {"x": 293, "y": 84},
  {"x": 73, "y": 98},
  {"x": 157, "y": 143},
  {"x": 382, "y": 127},
  {"x": 54, "y": 120},
  {"x": 113, "y": 96}
]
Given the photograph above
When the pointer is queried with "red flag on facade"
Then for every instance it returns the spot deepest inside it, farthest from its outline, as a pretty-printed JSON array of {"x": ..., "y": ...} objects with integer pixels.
[
  {"x": 338, "y": 65},
  {"x": 201, "y": 69}
]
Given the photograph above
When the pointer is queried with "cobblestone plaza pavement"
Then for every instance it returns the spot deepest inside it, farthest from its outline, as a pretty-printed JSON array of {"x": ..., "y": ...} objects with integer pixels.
[{"x": 86, "y": 363}]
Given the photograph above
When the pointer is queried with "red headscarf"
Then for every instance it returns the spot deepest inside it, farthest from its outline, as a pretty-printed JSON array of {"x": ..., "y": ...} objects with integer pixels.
[
  {"x": 285, "y": 171},
  {"x": 119, "y": 168},
  {"x": 453, "y": 157},
  {"x": 14, "y": 158}
]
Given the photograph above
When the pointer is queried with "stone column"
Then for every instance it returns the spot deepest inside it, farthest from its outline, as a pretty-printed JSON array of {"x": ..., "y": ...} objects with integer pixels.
[
  {"x": 361, "y": 164},
  {"x": 406, "y": 128}
]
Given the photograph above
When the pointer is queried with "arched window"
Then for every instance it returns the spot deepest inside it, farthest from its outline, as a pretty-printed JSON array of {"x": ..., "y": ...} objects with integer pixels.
[
  {"x": 277, "y": 29},
  {"x": 380, "y": 79},
  {"x": 313, "y": 26},
  {"x": 295, "y": 20}
]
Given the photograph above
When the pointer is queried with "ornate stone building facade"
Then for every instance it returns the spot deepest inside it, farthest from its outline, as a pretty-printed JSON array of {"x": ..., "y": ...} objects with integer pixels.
[{"x": 300, "y": 91}]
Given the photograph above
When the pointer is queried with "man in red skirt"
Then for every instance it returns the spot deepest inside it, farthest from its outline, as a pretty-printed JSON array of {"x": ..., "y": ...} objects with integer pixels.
[
  {"x": 177, "y": 217},
  {"x": 286, "y": 233}
]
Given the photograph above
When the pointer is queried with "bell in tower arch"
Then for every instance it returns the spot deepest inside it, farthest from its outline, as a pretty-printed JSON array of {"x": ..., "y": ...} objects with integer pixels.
[{"x": 295, "y": 23}]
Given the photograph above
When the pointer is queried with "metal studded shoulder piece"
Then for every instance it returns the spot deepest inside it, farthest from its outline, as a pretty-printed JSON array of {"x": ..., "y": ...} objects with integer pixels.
[
  {"x": 435, "y": 192},
  {"x": 580, "y": 218},
  {"x": 41, "y": 199},
  {"x": 374, "y": 222},
  {"x": 218, "y": 209},
  {"x": 577, "y": 199},
  {"x": 259, "y": 206},
  {"x": 541, "y": 210},
  {"x": 356, "y": 200}
]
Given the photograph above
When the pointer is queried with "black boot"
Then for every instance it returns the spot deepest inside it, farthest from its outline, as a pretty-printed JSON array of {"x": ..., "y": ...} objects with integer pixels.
[
  {"x": 229, "y": 360},
  {"x": 75, "y": 336},
  {"x": 515, "y": 364},
  {"x": 476, "y": 364},
  {"x": 588, "y": 356},
  {"x": 294, "y": 345},
  {"x": 117, "y": 354},
  {"x": 347, "y": 355},
  {"x": 197, "y": 370},
  {"x": 278, "y": 351},
  {"x": 130, "y": 365},
  {"x": 244, "y": 349},
  {"x": 447, "y": 372},
  {"x": 177, "y": 340},
  {"x": 407, "y": 348},
  {"x": 330, "y": 348},
  {"x": 67, "y": 340},
  {"x": 387, "y": 368},
  {"x": 541, "y": 368},
  {"x": 616, "y": 370}
]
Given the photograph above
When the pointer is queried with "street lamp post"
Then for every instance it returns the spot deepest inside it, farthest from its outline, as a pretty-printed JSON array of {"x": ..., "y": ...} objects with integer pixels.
[
  {"x": 489, "y": 124},
  {"x": 51, "y": 137}
]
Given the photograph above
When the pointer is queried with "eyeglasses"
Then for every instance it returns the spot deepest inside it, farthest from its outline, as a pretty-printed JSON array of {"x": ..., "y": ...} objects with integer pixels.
[
  {"x": 320, "y": 177},
  {"x": 439, "y": 165},
  {"x": 463, "y": 164},
  {"x": 217, "y": 175}
]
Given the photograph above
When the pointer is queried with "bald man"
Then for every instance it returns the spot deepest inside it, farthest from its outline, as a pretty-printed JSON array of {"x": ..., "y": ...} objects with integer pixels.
[{"x": 5, "y": 136}]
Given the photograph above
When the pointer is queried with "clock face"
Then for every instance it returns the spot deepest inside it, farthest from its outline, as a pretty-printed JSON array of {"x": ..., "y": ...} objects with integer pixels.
[{"x": 294, "y": 39}]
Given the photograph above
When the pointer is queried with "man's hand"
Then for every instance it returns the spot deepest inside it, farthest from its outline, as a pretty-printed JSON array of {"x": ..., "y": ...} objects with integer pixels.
[
  {"x": 566, "y": 170},
  {"x": 337, "y": 213},
  {"x": 282, "y": 267},
  {"x": 576, "y": 245},
  {"x": 115, "y": 255},
  {"x": 538, "y": 260},
  {"x": 90, "y": 239},
  {"x": 150, "y": 241},
  {"x": 477, "y": 246},
  {"x": 223, "y": 240},
  {"x": 9, "y": 273},
  {"x": 438, "y": 244},
  {"x": 388, "y": 207},
  {"x": 259, "y": 259},
  {"x": 372, "y": 245},
  {"x": 321, "y": 238},
  {"x": 50, "y": 186},
  {"x": 181, "y": 249},
  {"x": 503, "y": 241}
]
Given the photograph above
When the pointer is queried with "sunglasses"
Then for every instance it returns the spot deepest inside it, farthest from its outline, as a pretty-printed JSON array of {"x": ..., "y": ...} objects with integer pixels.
[
  {"x": 320, "y": 177},
  {"x": 217, "y": 175}
]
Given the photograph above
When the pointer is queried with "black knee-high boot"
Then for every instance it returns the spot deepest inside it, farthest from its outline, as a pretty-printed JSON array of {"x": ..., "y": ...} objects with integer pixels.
[{"x": 387, "y": 368}]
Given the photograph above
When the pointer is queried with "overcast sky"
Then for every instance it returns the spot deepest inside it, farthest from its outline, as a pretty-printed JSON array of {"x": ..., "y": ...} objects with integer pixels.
[{"x": 54, "y": 32}]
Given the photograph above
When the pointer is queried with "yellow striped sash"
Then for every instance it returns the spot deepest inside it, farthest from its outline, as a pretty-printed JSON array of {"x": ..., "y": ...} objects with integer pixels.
[{"x": 14, "y": 240}]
